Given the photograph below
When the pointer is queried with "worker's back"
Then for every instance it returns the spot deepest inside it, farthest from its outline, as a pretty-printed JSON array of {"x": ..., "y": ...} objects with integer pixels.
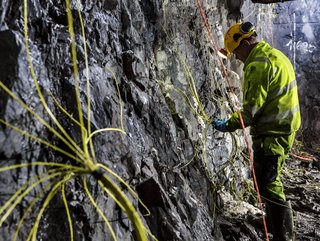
[{"x": 270, "y": 92}]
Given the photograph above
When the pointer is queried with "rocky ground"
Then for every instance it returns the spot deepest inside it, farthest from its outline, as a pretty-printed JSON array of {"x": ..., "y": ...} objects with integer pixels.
[
  {"x": 302, "y": 181},
  {"x": 302, "y": 184}
]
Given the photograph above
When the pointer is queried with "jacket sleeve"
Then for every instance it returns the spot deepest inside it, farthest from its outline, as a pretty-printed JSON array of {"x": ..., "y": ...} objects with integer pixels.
[{"x": 256, "y": 85}]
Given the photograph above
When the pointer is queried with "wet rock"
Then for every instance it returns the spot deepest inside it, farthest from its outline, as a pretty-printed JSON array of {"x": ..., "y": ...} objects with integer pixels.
[
  {"x": 234, "y": 9},
  {"x": 10, "y": 49},
  {"x": 151, "y": 194},
  {"x": 142, "y": 61}
]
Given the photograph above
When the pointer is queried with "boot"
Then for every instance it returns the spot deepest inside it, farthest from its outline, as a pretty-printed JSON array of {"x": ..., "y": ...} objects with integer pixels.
[
  {"x": 288, "y": 222},
  {"x": 281, "y": 218}
]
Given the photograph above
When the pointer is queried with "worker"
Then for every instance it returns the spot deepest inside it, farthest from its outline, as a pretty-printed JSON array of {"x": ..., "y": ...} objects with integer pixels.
[{"x": 271, "y": 109}]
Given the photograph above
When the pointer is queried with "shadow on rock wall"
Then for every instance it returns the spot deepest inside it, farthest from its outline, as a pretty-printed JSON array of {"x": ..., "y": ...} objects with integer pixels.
[{"x": 297, "y": 31}]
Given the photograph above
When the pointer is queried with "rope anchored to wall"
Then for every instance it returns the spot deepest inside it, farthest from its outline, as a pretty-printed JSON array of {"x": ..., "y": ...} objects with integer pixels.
[{"x": 240, "y": 117}]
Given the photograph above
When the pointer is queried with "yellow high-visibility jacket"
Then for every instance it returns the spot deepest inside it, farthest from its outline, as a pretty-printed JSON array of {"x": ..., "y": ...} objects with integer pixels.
[{"x": 270, "y": 95}]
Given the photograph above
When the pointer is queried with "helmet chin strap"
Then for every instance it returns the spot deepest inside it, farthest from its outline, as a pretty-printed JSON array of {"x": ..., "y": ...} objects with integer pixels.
[{"x": 223, "y": 53}]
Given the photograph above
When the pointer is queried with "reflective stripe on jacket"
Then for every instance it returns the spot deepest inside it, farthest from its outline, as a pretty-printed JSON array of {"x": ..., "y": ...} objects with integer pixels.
[{"x": 270, "y": 96}]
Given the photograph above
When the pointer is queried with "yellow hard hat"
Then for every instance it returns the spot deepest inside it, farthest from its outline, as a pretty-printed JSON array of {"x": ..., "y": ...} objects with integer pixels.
[{"x": 235, "y": 34}]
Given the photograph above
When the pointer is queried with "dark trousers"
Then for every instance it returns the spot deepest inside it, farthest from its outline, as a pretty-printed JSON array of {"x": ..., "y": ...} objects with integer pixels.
[{"x": 270, "y": 153}]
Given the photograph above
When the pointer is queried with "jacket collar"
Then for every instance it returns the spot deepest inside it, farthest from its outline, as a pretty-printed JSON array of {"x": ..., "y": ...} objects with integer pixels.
[{"x": 253, "y": 53}]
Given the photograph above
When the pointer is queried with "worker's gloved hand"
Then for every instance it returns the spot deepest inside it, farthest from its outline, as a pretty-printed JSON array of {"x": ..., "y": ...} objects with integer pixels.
[{"x": 220, "y": 125}]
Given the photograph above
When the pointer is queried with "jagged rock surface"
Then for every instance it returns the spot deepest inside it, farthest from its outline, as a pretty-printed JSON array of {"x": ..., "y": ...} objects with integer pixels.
[
  {"x": 180, "y": 169},
  {"x": 147, "y": 47}
]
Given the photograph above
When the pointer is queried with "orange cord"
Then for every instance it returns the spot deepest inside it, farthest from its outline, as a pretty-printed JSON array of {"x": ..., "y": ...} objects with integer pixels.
[
  {"x": 240, "y": 117},
  {"x": 308, "y": 158}
]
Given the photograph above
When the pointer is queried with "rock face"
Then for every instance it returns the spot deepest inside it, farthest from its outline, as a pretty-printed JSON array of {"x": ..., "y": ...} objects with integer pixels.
[
  {"x": 296, "y": 33},
  {"x": 153, "y": 73}
]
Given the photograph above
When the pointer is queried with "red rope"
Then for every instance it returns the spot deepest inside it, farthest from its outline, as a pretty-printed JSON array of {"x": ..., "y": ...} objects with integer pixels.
[{"x": 240, "y": 117}]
